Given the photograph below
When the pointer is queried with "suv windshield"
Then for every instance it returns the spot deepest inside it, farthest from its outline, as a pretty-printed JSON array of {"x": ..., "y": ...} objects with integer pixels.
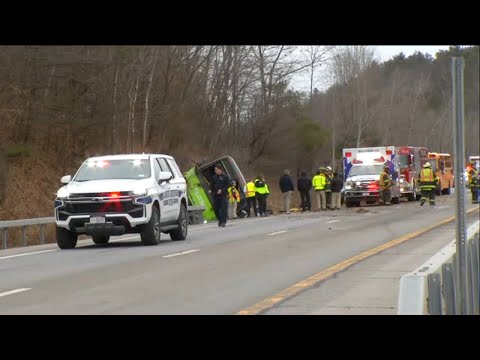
[
  {"x": 366, "y": 170},
  {"x": 114, "y": 169}
]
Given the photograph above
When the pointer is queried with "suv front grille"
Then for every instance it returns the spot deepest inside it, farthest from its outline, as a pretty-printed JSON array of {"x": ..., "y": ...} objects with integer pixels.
[
  {"x": 110, "y": 207},
  {"x": 93, "y": 195},
  {"x": 102, "y": 207}
]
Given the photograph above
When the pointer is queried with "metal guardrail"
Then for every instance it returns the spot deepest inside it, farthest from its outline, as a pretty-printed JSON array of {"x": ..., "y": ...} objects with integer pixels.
[
  {"x": 42, "y": 222},
  {"x": 195, "y": 216},
  {"x": 432, "y": 289}
]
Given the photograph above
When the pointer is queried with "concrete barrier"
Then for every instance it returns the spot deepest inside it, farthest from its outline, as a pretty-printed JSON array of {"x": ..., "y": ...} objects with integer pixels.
[{"x": 432, "y": 290}]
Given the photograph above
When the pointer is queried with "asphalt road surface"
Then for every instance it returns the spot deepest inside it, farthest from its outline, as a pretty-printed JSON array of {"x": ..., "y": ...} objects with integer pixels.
[{"x": 215, "y": 271}]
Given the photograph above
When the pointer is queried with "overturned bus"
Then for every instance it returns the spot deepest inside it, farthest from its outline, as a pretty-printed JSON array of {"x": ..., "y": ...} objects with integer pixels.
[{"x": 200, "y": 177}]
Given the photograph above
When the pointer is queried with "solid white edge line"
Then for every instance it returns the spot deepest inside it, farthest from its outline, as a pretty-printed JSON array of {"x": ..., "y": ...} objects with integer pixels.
[
  {"x": 278, "y": 232},
  {"x": 181, "y": 253},
  {"x": 25, "y": 254},
  {"x": 11, "y": 292},
  {"x": 331, "y": 221}
]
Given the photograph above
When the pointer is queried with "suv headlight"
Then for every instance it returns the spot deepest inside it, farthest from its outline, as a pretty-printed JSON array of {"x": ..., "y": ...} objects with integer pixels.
[
  {"x": 140, "y": 192},
  {"x": 348, "y": 185},
  {"x": 63, "y": 193}
]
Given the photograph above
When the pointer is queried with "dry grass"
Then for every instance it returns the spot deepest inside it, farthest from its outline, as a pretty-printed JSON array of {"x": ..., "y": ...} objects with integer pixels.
[
  {"x": 30, "y": 193},
  {"x": 31, "y": 189}
]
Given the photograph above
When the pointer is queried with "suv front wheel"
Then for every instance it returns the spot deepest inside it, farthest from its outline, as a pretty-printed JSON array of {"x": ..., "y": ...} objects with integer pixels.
[
  {"x": 65, "y": 238},
  {"x": 150, "y": 232},
  {"x": 180, "y": 233}
]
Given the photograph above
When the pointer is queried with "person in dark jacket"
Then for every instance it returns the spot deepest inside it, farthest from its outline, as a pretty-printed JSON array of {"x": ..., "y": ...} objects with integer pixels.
[
  {"x": 286, "y": 187},
  {"x": 219, "y": 190},
  {"x": 261, "y": 193},
  {"x": 304, "y": 185},
  {"x": 336, "y": 186}
]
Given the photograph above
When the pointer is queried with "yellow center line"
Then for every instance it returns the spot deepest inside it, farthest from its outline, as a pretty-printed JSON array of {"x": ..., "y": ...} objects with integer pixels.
[{"x": 325, "y": 274}]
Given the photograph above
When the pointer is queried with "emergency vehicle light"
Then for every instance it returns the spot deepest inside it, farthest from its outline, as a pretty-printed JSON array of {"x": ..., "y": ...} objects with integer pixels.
[
  {"x": 373, "y": 185},
  {"x": 389, "y": 152},
  {"x": 348, "y": 154},
  {"x": 114, "y": 194}
]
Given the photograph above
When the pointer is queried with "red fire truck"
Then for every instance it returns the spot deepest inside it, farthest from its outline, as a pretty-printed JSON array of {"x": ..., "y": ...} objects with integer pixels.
[{"x": 410, "y": 160}]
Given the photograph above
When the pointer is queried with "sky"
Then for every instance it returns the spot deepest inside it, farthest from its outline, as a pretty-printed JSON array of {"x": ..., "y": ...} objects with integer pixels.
[
  {"x": 383, "y": 53},
  {"x": 386, "y": 52}
]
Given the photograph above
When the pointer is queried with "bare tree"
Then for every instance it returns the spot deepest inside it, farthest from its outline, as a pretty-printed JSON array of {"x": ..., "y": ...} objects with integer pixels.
[
  {"x": 132, "y": 95},
  {"x": 419, "y": 88},
  {"x": 145, "y": 121},
  {"x": 114, "y": 123},
  {"x": 315, "y": 56},
  {"x": 349, "y": 66}
]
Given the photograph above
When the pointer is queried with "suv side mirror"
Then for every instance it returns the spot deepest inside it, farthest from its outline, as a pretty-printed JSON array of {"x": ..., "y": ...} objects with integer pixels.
[
  {"x": 164, "y": 176},
  {"x": 66, "y": 179}
]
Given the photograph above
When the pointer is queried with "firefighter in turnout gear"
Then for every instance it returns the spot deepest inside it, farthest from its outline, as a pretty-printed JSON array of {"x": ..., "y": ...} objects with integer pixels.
[
  {"x": 428, "y": 183},
  {"x": 473, "y": 182},
  {"x": 386, "y": 183},
  {"x": 328, "y": 189}
]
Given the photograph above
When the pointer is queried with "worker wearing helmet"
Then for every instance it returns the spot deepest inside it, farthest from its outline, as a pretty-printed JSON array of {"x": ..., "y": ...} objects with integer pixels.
[
  {"x": 386, "y": 183},
  {"x": 428, "y": 181},
  {"x": 328, "y": 189},
  {"x": 473, "y": 182}
]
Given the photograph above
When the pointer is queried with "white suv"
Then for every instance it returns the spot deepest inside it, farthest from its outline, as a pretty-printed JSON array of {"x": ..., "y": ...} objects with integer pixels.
[{"x": 118, "y": 194}]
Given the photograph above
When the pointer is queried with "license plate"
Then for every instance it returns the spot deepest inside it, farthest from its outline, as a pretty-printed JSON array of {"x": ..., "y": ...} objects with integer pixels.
[
  {"x": 97, "y": 220},
  {"x": 365, "y": 194}
]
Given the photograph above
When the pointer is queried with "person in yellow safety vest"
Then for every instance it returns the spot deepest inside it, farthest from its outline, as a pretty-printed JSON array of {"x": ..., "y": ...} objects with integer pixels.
[
  {"x": 428, "y": 184},
  {"x": 251, "y": 198},
  {"x": 473, "y": 182},
  {"x": 328, "y": 190},
  {"x": 233, "y": 199},
  {"x": 385, "y": 183},
  {"x": 261, "y": 193},
  {"x": 318, "y": 184}
]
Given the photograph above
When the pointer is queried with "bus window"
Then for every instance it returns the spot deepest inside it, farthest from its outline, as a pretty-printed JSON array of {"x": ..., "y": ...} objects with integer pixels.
[{"x": 230, "y": 167}]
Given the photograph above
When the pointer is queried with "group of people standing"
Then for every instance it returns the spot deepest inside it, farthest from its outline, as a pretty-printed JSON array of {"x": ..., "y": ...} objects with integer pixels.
[
  {"x": 226, "y": 196},
  {"x": 326, "y": 184}
]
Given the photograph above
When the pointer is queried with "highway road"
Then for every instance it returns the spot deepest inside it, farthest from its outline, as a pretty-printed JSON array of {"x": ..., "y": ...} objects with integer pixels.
[{"x": 215, "y": 271}]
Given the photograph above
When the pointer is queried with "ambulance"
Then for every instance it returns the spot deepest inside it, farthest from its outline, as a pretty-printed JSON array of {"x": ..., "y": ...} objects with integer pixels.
[{"x": 362, "y": 168}]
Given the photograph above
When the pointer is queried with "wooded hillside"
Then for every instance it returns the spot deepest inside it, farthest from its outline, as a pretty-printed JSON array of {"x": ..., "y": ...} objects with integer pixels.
[{"x": 60, "y": 104}]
